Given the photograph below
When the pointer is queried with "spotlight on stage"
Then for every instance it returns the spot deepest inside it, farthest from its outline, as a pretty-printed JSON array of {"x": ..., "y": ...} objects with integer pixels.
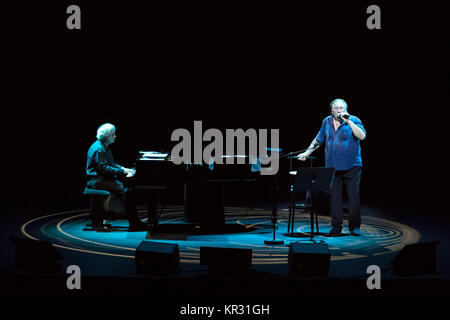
[
  {"x": 157, "y": 258},
  {"x": 415, "y": 259},
  {"x": 223, "y": 261},
  {"x": 309, "y": 259},
  {"x": 35, "y": 255}
]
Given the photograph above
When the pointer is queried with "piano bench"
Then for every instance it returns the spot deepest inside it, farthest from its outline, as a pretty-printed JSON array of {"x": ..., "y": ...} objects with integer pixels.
[{"x": 98, "y": 202}]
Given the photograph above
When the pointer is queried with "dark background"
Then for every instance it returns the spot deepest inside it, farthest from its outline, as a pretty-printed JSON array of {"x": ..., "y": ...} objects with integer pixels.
[{"x": 150, "y": 69}]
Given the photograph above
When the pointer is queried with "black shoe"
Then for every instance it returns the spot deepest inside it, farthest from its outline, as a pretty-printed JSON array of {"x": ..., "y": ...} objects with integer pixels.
[
  {"x": 355, "y": 232},
  {"x": 152, "y": 228},
  {"x": 138, "y": 227},
  {"x": 335, "y": 231},
  {"x": 152, "y": 219},
  {"x": 101, "y": 228},
  {"x": 101, "y": 224}
]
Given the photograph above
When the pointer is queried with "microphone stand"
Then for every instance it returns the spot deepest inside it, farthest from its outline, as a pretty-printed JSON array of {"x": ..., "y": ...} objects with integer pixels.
[
  {"x": 291, "y": 154},
  {"x": 274, "y": 216}
]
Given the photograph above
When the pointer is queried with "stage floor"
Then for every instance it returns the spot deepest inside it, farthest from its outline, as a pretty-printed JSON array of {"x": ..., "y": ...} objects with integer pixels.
[
  {"x": 106, "y": 259},
  {"x": 246, "y": 228}
]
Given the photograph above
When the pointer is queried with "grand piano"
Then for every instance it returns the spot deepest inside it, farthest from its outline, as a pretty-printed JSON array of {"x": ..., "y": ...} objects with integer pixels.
[{"x": 202, "y": 184}]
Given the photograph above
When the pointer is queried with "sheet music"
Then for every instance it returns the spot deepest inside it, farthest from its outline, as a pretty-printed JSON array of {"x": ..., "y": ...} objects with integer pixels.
[{"x": 154, "y": 155}]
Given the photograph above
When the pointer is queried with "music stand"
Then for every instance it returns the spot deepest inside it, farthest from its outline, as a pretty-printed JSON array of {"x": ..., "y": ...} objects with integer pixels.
[{"x": 312, "y": 179}]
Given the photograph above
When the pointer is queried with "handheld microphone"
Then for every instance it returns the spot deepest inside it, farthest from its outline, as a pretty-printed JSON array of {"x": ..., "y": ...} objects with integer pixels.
[{"x": 345, "y": 116}]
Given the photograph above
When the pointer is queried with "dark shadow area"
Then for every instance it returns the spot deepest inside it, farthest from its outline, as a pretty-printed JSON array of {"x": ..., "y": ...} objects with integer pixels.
[{"x": 181, "y": 231}]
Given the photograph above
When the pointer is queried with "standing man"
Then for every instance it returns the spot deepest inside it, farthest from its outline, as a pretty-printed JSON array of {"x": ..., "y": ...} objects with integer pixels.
[
  {"x": 342, "y": 134},
  {"x": 104, "y": 174}
]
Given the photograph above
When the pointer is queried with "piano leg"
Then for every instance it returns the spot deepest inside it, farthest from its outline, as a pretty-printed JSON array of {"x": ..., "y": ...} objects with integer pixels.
[
  {"x": 150, "y": 197},
  {"x": 129, "y": 203}
]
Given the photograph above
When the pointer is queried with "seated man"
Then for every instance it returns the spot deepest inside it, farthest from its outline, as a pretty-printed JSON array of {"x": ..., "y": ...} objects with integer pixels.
[{"x": 104, "y": 174}]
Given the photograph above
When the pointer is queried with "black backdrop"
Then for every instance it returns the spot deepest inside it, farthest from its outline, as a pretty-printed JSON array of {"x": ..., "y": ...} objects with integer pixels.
[{"x": 152, "y": 69}]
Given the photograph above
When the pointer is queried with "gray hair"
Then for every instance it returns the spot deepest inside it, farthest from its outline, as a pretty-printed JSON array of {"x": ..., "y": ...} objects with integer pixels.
[
  {"x": 338, "y": 101},
  {"x": 105, "y": 130}
]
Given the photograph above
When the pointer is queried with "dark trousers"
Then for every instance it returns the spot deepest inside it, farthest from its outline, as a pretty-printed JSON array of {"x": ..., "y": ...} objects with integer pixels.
[{"x": 351, "y": 180}]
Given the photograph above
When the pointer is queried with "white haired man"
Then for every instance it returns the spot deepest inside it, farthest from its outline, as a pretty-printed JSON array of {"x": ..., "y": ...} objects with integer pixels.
[
  {"x": 104, "y": 174},
  {"x": 342, "y": 134}
]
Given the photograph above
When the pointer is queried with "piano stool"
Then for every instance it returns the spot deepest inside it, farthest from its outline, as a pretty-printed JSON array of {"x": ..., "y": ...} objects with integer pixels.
[{"x": 98, "y": 201}]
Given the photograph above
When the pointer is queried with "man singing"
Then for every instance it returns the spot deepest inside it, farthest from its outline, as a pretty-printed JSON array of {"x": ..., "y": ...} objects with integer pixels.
[
  {"x": 104, "y": 174},
  {"x": 342, "y": 134}
]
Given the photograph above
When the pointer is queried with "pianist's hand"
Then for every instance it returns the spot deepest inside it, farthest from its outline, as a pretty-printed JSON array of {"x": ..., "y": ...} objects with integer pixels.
[
  {"x": 302, "y": 156},
  {"x": 129, "y": 172}
]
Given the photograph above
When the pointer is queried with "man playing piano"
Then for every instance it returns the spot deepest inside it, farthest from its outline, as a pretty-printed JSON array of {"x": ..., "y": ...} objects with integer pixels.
[{"x": 104, "y": 174}]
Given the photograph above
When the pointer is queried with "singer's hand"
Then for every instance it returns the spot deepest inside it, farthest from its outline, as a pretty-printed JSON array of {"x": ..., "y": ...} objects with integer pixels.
[
  {"x": 342, "y": 116},
  {"x": 302, "y": 156}
]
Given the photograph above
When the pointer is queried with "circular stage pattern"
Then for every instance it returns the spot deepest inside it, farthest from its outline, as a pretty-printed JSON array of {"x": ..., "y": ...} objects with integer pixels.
[{"x": 252, "y": 226}]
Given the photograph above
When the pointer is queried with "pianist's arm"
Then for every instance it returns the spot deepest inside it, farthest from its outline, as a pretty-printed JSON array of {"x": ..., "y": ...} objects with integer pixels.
[{"x": 106, "y": 165}]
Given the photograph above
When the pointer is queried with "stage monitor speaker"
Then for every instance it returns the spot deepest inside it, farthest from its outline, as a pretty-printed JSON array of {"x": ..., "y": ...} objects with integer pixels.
[
  {"x": 309, "y": 259},
  {"x": 157, "y": 258},
  {"x": 226, "y": 260},
  {"x": 35, "y": 255},
  {"x": 417, "y": 258}
]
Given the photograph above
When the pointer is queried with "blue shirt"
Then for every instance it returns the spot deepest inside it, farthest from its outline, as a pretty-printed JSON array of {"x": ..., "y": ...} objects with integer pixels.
[{"x": 342, "y": 148}]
